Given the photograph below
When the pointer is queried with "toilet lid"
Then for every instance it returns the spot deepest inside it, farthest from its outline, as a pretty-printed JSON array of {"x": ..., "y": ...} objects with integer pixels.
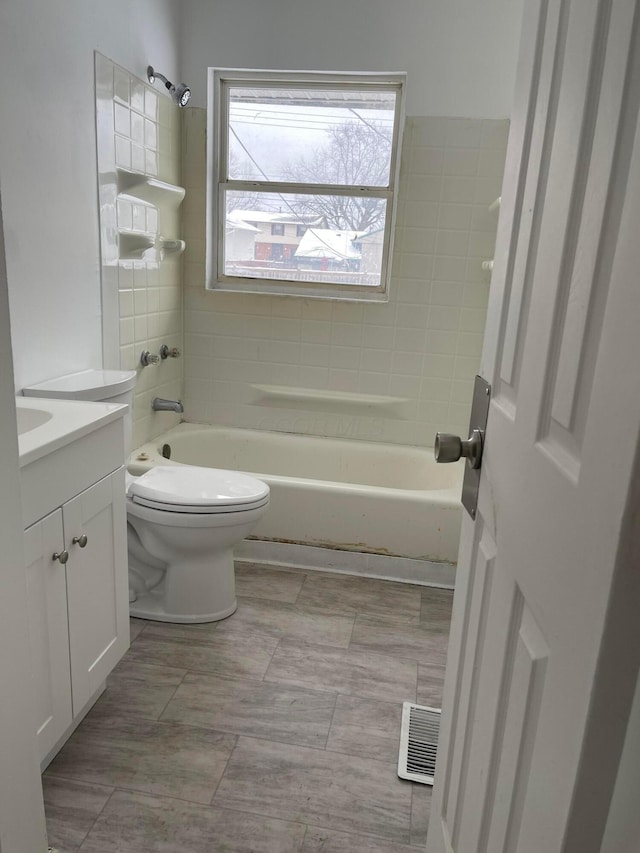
[{"x": 193, "y": 489}]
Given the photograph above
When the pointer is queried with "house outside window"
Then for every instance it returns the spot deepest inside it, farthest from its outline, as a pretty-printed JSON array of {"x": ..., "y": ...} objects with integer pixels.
[{"x": 302, "y": 181}]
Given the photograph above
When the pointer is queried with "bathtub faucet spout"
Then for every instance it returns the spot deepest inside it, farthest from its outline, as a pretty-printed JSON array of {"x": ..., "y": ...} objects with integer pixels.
[{"x": 158, "y": 404}]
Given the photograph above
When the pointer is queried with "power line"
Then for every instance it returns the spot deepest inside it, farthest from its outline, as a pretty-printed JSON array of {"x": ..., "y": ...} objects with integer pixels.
[
  {"x": 371, "y": 126},
  {"x": 272, "y": 124},
  {"x": 282, "y": 124},
  {"x": 307, "y": 123}
]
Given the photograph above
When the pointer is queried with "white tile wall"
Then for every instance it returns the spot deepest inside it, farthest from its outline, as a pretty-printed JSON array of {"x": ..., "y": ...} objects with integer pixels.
[
  {"x": 139, "y": 128},
  {"x": 424, "y": 345}
]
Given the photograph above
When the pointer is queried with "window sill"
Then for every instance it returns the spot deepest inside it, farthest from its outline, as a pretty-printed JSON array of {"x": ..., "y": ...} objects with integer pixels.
[{"x": 335, "y": 293}]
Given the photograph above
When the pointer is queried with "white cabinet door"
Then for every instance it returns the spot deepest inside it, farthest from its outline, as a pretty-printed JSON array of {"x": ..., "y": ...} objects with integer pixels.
[
  {"x": 48, "y": 629},
  {"x": 97, "y": 584}
]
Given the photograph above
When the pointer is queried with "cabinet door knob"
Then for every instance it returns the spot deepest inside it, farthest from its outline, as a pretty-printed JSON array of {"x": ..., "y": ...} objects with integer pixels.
[
  {"x": 63, "y": 556},
  {"x": 80, "y": 540}
]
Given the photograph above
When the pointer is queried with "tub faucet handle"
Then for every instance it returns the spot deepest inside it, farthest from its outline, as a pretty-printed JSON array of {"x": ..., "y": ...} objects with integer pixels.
[
  {"x": 147, "y": 358},
  {"x": 169, "y": 352}
]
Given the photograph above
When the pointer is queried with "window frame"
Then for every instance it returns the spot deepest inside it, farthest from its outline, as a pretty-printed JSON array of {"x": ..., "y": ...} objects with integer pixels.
[{"x": 220, "y": 80}]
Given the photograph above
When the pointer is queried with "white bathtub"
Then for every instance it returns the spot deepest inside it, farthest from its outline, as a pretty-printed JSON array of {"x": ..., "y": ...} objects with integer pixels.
[{"x": 334, "y": 493}]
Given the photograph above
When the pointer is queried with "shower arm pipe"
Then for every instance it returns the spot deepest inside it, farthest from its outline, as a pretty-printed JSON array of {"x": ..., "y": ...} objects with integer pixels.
[
  {"x": 180, "y": 93},
  {"x": 157, "y": 75}
]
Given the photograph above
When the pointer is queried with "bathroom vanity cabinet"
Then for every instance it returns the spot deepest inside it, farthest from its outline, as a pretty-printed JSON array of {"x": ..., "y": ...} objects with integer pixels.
[{"x": 76, "y": 566}]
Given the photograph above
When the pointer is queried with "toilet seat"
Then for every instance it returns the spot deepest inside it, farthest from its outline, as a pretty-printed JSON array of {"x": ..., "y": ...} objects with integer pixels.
[
  {"x": 198, "y": 491},
  {"x": 198, "y": 509}
]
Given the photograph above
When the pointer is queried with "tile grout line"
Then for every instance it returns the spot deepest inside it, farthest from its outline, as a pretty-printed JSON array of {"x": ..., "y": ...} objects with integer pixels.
[
  {"x": 212, "y": 672},
  {"x": 107, "y": 801},
  {"x": 197, "y": 803},
  {"x": 265, "y": 738},
  {"x": 333, "y": 713},
  {"x": 302, "y": 586},
  {"x": 190, "y": 726},
  {"x": 353, "y": 628},
  {"x": 226, "y": 765},
  {"x": 172, "y": 697},
  {"x": 321, "y": 749},
  {"x": 268, "y": 666},
  {"x": 129, "y": 790},
  {"x": 366, "y": 835}
]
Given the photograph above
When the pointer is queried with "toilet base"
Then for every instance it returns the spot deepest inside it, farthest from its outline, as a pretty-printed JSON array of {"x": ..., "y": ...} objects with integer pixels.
[{"x": 151, "y": 606}]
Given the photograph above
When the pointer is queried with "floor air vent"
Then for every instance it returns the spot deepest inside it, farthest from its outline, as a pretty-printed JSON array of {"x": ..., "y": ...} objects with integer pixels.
[{"x": 418, "y": 743}]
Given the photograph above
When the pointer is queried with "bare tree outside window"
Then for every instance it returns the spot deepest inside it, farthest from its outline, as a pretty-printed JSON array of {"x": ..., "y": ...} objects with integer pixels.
[
  {"x": 245, "y": 171},
  {"x": 355, "y": 154}
]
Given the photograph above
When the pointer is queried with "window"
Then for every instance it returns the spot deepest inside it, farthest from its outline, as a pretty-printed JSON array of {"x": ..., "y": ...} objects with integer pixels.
[{"x": 313, "y": 159}]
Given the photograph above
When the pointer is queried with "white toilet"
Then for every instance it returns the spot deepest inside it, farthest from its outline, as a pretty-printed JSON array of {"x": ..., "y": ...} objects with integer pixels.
[{"x": 183, "y": 521}]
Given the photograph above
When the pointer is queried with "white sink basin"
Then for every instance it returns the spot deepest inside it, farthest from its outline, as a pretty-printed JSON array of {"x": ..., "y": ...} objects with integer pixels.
[
  {"x": 29, "y": 419},
  {"x": 47, "y": 425}
]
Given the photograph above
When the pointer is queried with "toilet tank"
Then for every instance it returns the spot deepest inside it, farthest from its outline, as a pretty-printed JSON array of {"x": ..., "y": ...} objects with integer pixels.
[{"x": 103, "y": 386}]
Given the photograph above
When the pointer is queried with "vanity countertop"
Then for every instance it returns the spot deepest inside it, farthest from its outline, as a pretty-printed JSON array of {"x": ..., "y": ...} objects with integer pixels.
[{"x": 47, "y": 425}]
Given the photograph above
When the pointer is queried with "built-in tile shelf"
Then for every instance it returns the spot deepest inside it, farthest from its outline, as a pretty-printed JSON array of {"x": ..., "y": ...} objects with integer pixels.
[
  {"x": 312, "y": 399},
  {"x": 171, "y": 247},
  {"x": 148, "y": 189},
  {"x": 133, "y": 244}
]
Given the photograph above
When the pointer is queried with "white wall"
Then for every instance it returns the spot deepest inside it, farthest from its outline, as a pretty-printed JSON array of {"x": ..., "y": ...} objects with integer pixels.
[
  {"x": 48, "y": 165},
  {"x": 460, "y": 54}
]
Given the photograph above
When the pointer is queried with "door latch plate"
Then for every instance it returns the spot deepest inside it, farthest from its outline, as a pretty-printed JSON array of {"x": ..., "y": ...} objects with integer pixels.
[{"x": 478, "y": 421}]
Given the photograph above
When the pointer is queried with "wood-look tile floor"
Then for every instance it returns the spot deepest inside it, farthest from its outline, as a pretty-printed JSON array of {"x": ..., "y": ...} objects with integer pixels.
[{"x": 274, "y": 731}]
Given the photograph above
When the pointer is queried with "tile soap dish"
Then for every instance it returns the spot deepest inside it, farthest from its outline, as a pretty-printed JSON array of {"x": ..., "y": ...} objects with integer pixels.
[
  {"x": 171, "y": 247},
  {"x": 148, "y": 189},
  {"x": 134, "y": 245}
]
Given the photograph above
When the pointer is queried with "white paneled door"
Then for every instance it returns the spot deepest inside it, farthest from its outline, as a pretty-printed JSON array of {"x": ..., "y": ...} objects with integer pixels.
[{"x": 544, "y": 647}]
